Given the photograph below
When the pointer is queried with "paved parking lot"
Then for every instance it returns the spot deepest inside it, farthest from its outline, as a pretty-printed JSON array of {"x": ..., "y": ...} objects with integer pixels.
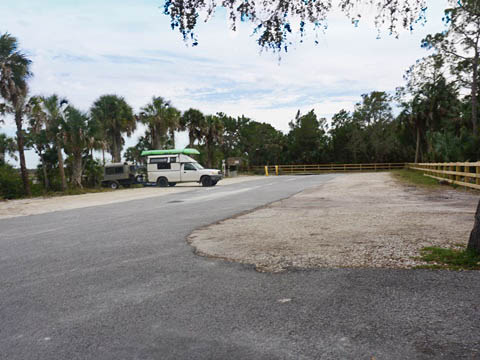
[{"x": 120, "y": 282}]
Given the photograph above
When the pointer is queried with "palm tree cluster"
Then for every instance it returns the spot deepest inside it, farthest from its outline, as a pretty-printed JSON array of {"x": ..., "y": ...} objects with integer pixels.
[
  {"x": 65, "y": 138},
  {"x": 428, "y": 119}
]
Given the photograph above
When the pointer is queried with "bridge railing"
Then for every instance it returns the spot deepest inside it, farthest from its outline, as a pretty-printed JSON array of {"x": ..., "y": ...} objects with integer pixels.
[
  {"x": 325, "y": 168},
  {"x": 459, "y": 173}
]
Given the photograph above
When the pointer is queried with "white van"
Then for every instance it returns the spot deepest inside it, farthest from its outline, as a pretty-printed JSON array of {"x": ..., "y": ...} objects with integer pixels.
[{"x": 169, "y": 167}]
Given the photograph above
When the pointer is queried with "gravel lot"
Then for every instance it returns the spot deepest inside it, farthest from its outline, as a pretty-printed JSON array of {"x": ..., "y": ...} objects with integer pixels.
[
  {"x": 355, "y": 220},
  {"x": 34, "y": 206}
]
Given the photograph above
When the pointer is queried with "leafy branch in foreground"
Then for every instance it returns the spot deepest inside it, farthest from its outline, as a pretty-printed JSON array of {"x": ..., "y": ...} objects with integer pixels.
[{"x": 274, "y": 20}]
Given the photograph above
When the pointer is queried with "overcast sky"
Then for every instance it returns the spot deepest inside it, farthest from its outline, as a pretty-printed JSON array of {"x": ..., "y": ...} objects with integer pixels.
[{"x": 84, "y": 49}]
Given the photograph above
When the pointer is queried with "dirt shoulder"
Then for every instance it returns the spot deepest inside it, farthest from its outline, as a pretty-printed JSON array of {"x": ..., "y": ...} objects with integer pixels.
[
  {"x": 355, "y": 220},
  {"x": 14, "y": 208}
]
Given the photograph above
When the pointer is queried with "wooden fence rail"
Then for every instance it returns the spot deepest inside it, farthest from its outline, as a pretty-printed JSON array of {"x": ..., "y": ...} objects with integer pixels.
[
  {"x": 326, "y": 168},
  {"x": 461, "y": 173}
]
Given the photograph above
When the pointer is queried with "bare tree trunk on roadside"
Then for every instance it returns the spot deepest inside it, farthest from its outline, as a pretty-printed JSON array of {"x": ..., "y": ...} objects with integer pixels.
[
  {"x": 417, "y": 149},
  {"x": 474, "y": 94},
  {"x": 77, "y": 170},
  {"x": 44, "y": 170},
  {"x": 21, "y": 153},
  {"x": 474, "y": 241},
  {"x": 61, "y": 168},
  {"x": 103, "y": 153}
]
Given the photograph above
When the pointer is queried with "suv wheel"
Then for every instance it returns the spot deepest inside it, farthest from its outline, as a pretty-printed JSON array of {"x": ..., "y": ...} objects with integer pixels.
[
  {"x": 206, "y": 181},
  {"x": 162, "y": 182}
]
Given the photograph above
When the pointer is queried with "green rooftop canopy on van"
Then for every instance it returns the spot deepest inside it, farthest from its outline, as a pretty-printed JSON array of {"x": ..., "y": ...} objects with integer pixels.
[{"x": 171, "y": 152}]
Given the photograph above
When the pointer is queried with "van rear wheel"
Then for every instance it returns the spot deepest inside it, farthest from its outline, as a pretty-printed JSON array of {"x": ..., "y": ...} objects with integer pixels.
[
  {"x": 114, "y": 185},
  {"x": 206, "y": 181},
  {"x": 162, "y": 182}
]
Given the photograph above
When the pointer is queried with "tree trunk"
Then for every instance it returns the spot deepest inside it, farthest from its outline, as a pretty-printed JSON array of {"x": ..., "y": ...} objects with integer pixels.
[
  {"x": 77, "y": 170},
  {"x": 474, "y": 94},
  {"x": 21, "y": 153},
  {"x": 116, "y": 152},
  {"x": 417, "y": 149},
  {"x": 2, "y": 157},
  {"x": 45, "y": 175},
  {"x": 191, "y": 139},
  {"x": 474, "y": 241},
  {"x": 209, "y": 155},
  {"x": 61, "y": 167},
  {"x": 156, "y": 140},
  {"x": 172, "y": 138}
]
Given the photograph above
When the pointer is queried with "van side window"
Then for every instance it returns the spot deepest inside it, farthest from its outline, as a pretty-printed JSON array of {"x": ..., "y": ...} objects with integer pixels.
[
  {"x": 119, "y": 170},
  {"x": 163, "y": 166},
  {"x": 173, "y": 159},
  {"x": 158, "y": 160},
  {"x": 189, "y": 166}
]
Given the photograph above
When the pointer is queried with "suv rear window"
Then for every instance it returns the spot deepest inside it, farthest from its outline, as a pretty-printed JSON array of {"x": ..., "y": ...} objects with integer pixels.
[{"x": 114, "y": 170}]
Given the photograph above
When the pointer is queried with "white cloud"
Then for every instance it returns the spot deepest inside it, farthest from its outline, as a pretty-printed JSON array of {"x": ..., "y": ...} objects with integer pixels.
[{"x": 82, "y": 50}]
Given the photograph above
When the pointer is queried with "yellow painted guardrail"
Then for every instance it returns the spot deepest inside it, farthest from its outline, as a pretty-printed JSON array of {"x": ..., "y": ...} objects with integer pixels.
[
  {"x": 460, "y": 173},
  {"x": 325, "y": 168}
]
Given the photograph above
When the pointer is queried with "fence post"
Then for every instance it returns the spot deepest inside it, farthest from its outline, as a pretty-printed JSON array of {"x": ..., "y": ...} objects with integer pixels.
[
  {"x": 477, "y": 179},
  {"x": 457, "y": 170},
  {"x": 276, "y": 170},
  {"x": 266, "y": 170}
]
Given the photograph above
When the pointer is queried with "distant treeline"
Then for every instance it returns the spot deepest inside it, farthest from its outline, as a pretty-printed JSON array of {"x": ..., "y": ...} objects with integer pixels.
[{"x": 435, "y": 119}]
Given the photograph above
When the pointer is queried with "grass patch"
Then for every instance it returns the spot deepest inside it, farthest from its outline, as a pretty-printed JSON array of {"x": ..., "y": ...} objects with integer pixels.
[
  {"x": 450, "y": 259},
  {"x": 38, "y": 191},
  {"x": 415, "y": 177}
]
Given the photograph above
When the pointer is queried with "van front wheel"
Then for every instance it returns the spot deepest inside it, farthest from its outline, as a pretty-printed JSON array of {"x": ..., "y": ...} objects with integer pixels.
[
  {"x": 162, "y": 182},
  {"x": 206, "y": 181}
]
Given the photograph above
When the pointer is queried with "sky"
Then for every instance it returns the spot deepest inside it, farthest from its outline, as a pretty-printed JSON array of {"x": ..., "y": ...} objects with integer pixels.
[{"x": 84, "y": 49}]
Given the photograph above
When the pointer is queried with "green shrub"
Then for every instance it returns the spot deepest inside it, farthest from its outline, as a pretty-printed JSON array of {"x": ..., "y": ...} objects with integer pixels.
[{"x": 11, "y": 186}]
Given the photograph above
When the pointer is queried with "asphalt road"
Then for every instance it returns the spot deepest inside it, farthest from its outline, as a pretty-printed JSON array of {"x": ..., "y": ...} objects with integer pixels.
[{"x": 119, "y": 282}]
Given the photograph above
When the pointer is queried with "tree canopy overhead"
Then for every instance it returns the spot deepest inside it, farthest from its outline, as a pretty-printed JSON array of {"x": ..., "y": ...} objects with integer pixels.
[{"x": 274, "y": 19}]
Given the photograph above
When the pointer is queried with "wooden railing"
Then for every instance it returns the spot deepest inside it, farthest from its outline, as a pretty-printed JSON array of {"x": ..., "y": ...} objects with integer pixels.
[
  {"x": 325, "y": 168},
  {"x": 461, "y": 173}
]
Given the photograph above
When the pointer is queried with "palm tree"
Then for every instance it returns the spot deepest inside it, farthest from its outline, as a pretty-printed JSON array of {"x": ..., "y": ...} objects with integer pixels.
[
  {"x": 7, "y": 146},
  {"x": 76, "y": 141},
  {"x": 14, "y": 72},
  {"x": 212, "y": 136},
  {"x": 192, "y": 121},
  {"x": 37, "y": 135},
  {"x": 162, "y": 119},
  {"x": 54, "y": 108},
  {"x": 115, "y": 118}
]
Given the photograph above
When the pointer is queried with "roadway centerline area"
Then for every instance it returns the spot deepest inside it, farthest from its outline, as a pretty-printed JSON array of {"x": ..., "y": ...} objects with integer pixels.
[{"x": 119, "y": 281}]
